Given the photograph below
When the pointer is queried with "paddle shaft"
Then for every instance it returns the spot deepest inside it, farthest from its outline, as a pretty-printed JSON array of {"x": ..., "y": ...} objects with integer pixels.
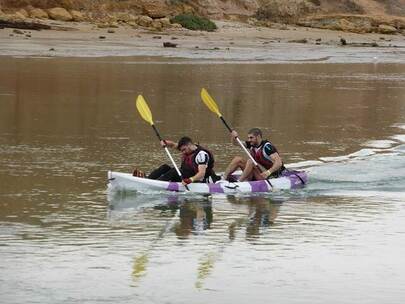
[
  {"x": 213, "y": 107},
  {"x": 168, "y": 154},
  {"x": 239, "y": 141},
  {"x": 244, "y": 148}
]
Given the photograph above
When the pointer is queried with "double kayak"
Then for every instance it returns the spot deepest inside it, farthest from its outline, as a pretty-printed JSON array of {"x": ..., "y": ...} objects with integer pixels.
[{"x": 127, "y": 182}]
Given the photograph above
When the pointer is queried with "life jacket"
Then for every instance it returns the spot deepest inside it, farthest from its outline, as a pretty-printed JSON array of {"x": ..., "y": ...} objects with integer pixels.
[
  {"x": 189, "y": 166},
  {"x": 258, "y": 155}
]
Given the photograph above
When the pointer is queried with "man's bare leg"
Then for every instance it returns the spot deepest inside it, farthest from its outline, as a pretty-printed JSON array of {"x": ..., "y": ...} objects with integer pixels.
[
  {"x": 236, "y": 163},
  {"x": 247, "y": 172},
  {"x": 256, "y": 174}
]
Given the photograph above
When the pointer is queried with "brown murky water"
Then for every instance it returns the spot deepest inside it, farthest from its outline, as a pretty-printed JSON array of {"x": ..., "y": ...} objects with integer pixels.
[{"x": 65, "y": 122}]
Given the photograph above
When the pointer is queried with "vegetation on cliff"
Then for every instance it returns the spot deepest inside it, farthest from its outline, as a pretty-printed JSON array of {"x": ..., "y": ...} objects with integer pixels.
[
  {"x": 193, "y": 22},
  {"x": 362, "y": 16}
]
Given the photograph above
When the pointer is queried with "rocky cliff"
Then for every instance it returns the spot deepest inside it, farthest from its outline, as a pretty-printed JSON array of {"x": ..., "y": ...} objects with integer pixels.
[{"x": 346, "y": 15}]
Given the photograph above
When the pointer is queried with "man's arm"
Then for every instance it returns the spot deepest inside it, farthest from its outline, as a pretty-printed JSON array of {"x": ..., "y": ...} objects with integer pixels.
[
  {"x": 270, "y": 152},
  {"x": 168, "y": 143},
  {"x": 201, "y": 173},
  {"x": 277, "y": 163},
  {"x": 234, "y": 134},
  {"x": 202, "y": 160}
]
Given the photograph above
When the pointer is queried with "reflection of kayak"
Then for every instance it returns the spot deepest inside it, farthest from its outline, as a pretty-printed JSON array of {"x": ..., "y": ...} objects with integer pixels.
[{"x": 125, "y": 181}]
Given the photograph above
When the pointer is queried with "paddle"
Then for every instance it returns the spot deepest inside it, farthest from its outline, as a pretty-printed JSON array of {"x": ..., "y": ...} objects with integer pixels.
[
  {"x": 212, "y": 105},
  {"x": 146, "y": 114}
]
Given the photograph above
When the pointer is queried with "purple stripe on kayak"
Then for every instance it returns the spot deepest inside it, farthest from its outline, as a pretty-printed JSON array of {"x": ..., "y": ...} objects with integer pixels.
[
  {"x": 296, "y": 178},
  {"x": 215, "y": 188},
  {"x": 173, "y": 186},
  {"x": 259, "y": 186}
]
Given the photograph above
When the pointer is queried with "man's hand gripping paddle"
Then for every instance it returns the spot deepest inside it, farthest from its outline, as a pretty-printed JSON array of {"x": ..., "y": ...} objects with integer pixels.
[
  {"x": 212, "y": 105},
  {"x": 146, "y": 114}
]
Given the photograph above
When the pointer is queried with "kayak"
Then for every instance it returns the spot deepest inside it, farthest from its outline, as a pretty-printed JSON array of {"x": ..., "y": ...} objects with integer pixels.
[{"x": 127, "y": 182}]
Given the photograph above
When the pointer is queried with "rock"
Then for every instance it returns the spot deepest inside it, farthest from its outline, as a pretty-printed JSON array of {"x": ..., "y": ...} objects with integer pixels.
[
  {"x": 387, "y": 29},
  {"x": 284, "y": 11},
  {"x": 169, "y": 44},
  {"x": 157, "y": 37},
  {"x": 77, "y": 16},
  {"x": 103, "y": 25},
  {"x": 114, "y": 25},
  {"x": 19, "y": 32},
  {"x": 156, "y": 25},
  {"x": 299, "y": 41},
  {"x": 165, "y": 22},
  {"x": 38, "y": 13},
  {"x": 156, "y": 9},
  {"x": 60, "y": 14},
  {"x": 18, "y": 16},
  {"x": 177, "y": 26},
  {"x": 22, "y": 12},
  {"x": 125, "y": 18},
  {"x": 343, "y": 41},
  {"x": 344, "y": 25},
  {"x": 145, "y": 21},
  {"x": 101, "y": 37},
  {"x": 9, "y": 23},
  {"x": 111, "y": 31},
  {"x": 347, "y": 23}
]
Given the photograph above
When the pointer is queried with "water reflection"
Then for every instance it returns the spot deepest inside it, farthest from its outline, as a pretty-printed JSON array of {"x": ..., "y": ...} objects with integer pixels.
[{"x": 194, "y": 216}]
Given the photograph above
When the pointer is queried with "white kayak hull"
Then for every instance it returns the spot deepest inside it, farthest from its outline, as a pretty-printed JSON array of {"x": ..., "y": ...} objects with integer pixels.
[{"x": 126, "y": 182}]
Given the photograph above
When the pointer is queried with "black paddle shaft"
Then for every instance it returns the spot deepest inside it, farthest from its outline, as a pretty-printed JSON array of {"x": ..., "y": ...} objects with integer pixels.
[
  {"x": 226, "y": 125},
  {"x": 157, "y": 133}
]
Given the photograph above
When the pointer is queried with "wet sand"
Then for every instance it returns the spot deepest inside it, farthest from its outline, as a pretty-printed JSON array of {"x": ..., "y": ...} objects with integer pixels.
[{"x": 233, "y": 41}]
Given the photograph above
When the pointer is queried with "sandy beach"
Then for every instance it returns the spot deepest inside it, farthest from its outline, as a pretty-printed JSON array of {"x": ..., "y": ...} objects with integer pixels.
[{"x": 233, "y": 41}]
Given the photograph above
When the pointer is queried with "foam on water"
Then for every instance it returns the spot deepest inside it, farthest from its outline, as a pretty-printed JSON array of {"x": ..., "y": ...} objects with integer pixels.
[
  {"x": 376, "y": 173},
  {"x": 400, "y": 126},
  {"x": 400, "y": 137},
  {"x": 380, "y": 143}
]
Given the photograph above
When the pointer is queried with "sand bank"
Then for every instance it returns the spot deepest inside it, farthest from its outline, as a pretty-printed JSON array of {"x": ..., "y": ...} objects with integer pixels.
[{"x": 233, "y": 42}]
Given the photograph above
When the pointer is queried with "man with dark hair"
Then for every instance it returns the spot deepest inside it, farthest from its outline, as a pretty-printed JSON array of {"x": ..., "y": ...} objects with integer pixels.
[
  {"x": 196, "y": 166},
  {"x": 263, "y": 152}
]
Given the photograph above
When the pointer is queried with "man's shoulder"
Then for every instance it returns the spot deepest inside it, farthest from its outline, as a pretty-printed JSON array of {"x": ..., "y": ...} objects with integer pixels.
[
  {"x": 202, "y": 157},
  {"x": 269, "y": 148}
]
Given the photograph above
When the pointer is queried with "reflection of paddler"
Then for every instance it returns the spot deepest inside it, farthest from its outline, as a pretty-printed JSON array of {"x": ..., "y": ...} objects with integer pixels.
[
  {"x": 262, "y": 213},
  {"x": 194, "y": 217}
]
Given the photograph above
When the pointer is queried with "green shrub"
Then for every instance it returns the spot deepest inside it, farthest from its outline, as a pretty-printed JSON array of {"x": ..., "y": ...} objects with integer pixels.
[{"x": 194, "y": 23}]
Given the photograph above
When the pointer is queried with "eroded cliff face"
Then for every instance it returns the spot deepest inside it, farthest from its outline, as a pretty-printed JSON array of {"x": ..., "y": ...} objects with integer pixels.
[
  {"x": 347, "y": 15},
  {"x": 153, "y": 8},
  {"x": 220, "y": 9}
]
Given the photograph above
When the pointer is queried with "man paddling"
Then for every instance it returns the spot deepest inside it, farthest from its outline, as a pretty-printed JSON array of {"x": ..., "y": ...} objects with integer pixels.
[
  {"x": 264, "y": 153},
  {"x": 196, "y": 166}
]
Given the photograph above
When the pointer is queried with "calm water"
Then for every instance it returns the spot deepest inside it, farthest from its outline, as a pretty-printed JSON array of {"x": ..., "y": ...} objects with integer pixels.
[{"x": 64, "y": 239}]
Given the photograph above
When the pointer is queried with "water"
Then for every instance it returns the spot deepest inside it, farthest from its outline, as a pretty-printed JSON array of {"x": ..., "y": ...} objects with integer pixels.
[{"x": 65, "y": 121}]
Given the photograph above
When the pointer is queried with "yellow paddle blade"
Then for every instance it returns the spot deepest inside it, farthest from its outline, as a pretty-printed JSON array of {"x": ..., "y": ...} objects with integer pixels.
[
  {"x": 143, "y": 109},
  {"x": 209, "y": 102}
]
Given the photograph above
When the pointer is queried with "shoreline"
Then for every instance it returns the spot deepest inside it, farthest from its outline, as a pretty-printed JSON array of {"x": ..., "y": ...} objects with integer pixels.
[{"x": 232, "y": 42}]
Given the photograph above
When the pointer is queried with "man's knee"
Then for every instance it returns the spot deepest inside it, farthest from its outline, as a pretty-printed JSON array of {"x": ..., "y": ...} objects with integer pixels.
[{"x": 238, "y": 160}]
